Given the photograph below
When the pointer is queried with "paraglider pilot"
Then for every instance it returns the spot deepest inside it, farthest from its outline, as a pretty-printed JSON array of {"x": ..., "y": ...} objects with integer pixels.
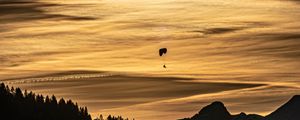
[{"x": 163, "y": 51}]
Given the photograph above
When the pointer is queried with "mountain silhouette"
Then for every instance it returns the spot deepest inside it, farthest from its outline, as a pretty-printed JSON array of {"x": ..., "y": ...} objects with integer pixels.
[
  {"x": 288, "y": 111},
  {"x": 217, "y": 111},
  {"x": 214, "y": 111},
  {"x": 244, "y": 116}
]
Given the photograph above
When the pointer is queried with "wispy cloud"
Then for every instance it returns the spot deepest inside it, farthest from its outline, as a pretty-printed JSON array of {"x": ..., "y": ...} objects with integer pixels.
[{"x": 22, "y": 11}]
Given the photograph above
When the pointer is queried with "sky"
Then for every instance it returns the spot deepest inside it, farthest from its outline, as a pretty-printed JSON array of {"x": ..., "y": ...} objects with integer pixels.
[{"x": 246, "y": 47}]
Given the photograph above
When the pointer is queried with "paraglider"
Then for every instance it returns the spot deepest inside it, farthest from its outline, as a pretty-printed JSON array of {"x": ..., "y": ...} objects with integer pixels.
[{"x": 161, "y": 52}]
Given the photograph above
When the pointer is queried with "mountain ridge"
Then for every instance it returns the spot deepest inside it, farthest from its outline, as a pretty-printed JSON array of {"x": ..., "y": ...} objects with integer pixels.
[{"x": 217, "y": 111}]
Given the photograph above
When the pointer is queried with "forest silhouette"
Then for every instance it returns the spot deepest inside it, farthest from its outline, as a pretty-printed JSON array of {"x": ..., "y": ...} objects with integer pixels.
[{"x": 16, "y": 105}]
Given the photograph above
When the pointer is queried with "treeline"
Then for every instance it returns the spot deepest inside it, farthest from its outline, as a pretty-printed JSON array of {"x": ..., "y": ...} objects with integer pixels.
[
  {"x": 109, "y": 117},
  {"x": 16, "y": 105}
]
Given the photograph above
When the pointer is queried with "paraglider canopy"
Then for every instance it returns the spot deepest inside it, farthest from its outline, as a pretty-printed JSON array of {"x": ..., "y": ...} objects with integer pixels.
[{"x": 162, "y": 51}]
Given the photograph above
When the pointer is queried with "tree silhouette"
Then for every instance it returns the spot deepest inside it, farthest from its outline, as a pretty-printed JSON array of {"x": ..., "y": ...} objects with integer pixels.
[
  {"x": 15, "y": 106},
  {"x": 110, "y": 117}
]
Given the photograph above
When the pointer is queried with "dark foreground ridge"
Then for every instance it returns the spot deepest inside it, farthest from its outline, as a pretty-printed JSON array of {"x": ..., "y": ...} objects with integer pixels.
[
  {"x": 288, "y": 111},
  {"x": 16, "y": 105},
  {"x": 217, "y": 111}
]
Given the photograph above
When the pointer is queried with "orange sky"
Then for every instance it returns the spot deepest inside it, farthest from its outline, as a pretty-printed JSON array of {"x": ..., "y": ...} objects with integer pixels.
[{"x": 249, "y": 41}]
